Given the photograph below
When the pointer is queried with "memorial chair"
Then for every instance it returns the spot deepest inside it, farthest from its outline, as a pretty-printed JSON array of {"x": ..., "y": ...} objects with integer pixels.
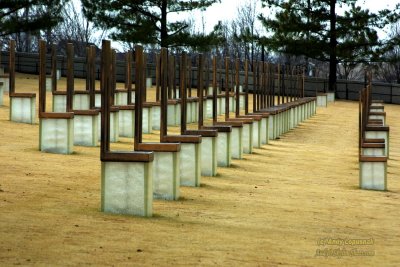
[
  {"x": 126, "y": 176},
  {"x": 209, "y": 134},
  {"x": 191, "y": 145},
  {"x": 22, "y": 105},
  {"x": 166, "y": 165},
  {"x": 56, "y": 129}
]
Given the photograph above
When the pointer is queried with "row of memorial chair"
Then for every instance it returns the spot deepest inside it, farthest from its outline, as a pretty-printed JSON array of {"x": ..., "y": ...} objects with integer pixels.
[
  {"x": 161, "y": 168},
  {"x": 131, "y": 179},
  {"x": 373, "y": 142}
]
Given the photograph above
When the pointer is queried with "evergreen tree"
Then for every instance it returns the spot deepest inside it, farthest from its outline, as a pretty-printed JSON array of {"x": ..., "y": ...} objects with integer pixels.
[
  {"x": 144, "y": 21},
  {"x": 16, "y": 15},
  {"x": 388, "y": 69},
  {"x": 316, "y": 29}
]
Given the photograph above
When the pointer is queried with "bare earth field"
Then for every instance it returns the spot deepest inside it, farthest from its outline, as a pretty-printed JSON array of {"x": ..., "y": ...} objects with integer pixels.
[{"x": 275, "y": 207}]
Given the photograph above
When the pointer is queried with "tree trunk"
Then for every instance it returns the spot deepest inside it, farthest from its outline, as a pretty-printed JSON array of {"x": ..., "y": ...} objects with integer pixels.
[
  {"x": 164, "y": 30},
  {"x": 332, "y": 45},
  {"x": 308, "y": 34},
  {"x": 27, "y": 34}
]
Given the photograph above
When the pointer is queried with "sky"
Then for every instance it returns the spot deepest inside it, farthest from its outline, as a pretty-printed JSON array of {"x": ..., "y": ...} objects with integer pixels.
[{"x": 227, "y": 9}]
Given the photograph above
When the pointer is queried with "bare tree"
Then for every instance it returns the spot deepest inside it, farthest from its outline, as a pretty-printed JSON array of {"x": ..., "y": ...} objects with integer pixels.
[
  {"x": 389, "y": 69},
  {"x": 22, "y": 20},
  {"x": 26, "y": 41},
  {"x": 249, "y": 32},
  {"x": 241, "y": 35},
  {"x": 351, "y": 71},
  {"x": 76, "y": 29}
]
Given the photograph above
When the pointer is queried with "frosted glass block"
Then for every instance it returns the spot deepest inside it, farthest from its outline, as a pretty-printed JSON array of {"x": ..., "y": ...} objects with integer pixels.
[
  {"x": 190, "y": 165},
  {"x": 121, "y": 98},
  {"x": 23, "y": 109},
  {"x": 314, "y": 106},
  {"x": 322, "y": 101},
  {"x": 377, "y": 104},
  {"x": 97, "y": 100},
  {"x": 373, "y": 109},
  {"x": 292, "y": 118},
  {"x": 232, "y": 104},
  {"x": 127, "y": 188},
  {"x": 205, "y": 109},
  {"x": 60, "y": 103},
  {"x": 223, "y": 104},
  {"x": 86, "y": 130},
  {"x": 208, "y": 156},
  {"x": 195, "y": 111},
  {"x": 276, "y": 125},
  {"x": 81, "y": 102},
  {"x": 166, "y": 176},
  {"x": 373, "y": 175},
  {"x": 378, "y": 117},
  {"x": 331, "y": 97},
  {"x": 126, "y": 123},
  {"x": 379, "y": 135},
  {"x": 147, "y": 122},
  {"x": 1, "y": 95},
  {"x": 257, "y": 134},
  {"x": 237, "y": 142},
  {"x": 264, "y": 131},
  {"x": 242, "y": 100},
  {"x": 208, "y": 108},
  {"x": 281, "y": 121},
  {"x": 284, "y": 122},
  {"x": 240, "y": 89},
  {"x": 309, "y": 109},
  {"x": 156, "y": 111},
  {"x": 6, "y": 84},
  {"x": 171, "y": 115},
  {"x": 149, "y": 82},
  {"x": 188, "y": 112},
  {"x": 224, "y": 154},
  {"x": 114, "y": 127},
  {"x": 373, "y": 151},
  {"x": 247, "y": 138},
  {"x": 271, "y": 127},
  {"x": 286, "y": 116},
  {"x": 56, "y": 135},
  {"x": 305, "y": 112},
  {"x": 287, "y": 120},
  {"x": 300, "y": 113},
  {"x": 48, "y": 84},
  {"x": 178, "y": 114},
  {"x": 133, "y": 96}
]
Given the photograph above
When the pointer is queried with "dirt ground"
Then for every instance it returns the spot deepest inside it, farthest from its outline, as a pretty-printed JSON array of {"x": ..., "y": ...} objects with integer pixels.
[{"x": 278, "y": 206}]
